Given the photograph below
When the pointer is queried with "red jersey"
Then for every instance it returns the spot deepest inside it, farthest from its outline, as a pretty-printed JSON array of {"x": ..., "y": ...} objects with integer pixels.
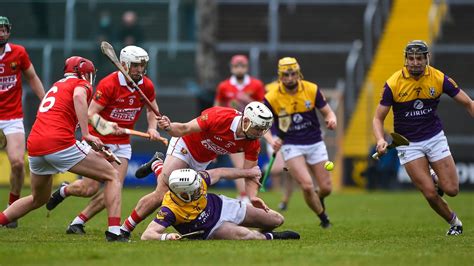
[
  {"x": 13, "y": 61},
  {"x": 56, "y": 119},
  {"x": 122, "y": 104},
  {"x": 219, "y": 125},
  {"x": 237, "y": 96}
]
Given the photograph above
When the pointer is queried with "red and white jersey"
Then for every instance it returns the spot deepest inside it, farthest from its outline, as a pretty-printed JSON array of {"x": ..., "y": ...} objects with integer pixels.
[
  {"x": 122, "y": 104},
  {"x": 218, "y": 136},
  {"x": 13, "y": 62},
  {"x": 236, "y": 95},
  {"x": 56, "y": 119}
]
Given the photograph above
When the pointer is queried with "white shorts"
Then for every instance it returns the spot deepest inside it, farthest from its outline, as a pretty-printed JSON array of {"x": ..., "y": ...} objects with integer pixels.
[
  {"x": 178, "y": 148},
  {"x": 12, "y": 126},
  {"x": 60, "y": 161},
  {"x": 121, "y": 150},
  {"x": 233, "y": 211},
  {"x": 435, "y": 149},
  {"x": 313, "y": 153}
]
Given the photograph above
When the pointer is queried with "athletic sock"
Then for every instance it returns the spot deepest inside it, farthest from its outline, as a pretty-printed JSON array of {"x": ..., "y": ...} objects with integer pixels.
[
  {"x": 114, "y": 225},
  {"x": 455, "y": 220},
  {"x": 131, "y": 222},
  {"x": 3, "y": 219},
  {"x": 80, "y": 219},
  {"x": 63, "y": 191},
  {"x": 13, "y": 198},
  {"x": 157, "y": 166}
]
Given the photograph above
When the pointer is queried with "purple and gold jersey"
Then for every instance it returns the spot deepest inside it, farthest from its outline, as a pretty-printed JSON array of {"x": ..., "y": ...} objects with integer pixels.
[
  {"x": 201, "y": 214},
  {"x": 301, "y": 106},
  {"x": 415, "y": 102}
]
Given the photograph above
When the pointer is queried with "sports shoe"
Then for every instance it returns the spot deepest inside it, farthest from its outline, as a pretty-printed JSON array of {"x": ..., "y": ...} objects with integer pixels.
[
  {"x": 454, "y": 230},
  {"x": 76, "y": 229},
  {"x": 285, "y": 235},
  {"x": 125, "y": 234},
  {"x": 325, "y": 224},
  {"x": 12, "y": 224},
  {"x": 56, "y": 197},
  {"x": 434, "y": 176},
  {"x": 111, "y": 237},
  {"x": 282, "y": 206},
  {"x": 145, "y": 169}
]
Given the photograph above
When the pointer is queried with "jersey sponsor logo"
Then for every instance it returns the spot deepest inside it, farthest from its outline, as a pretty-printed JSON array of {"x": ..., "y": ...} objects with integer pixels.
[
  {"x": 418, "y": 112},
  {"x": 208, "y": 144},
  {"x": 418, "y": 104},
  {"x": 127, "y": 114},
  {"x": 7, "y": 82},
  {"x": 297, "y": 118}
]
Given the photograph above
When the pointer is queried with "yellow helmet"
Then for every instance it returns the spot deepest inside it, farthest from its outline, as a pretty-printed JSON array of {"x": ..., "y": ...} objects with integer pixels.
[{"x": 288, "y": 64}]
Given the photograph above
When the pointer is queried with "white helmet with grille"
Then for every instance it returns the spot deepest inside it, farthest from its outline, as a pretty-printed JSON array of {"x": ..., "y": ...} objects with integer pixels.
[
  {"x": 133, "y": 54},
  {"x": 185, "y": 184},
  {"x": 259, "y": 115}
]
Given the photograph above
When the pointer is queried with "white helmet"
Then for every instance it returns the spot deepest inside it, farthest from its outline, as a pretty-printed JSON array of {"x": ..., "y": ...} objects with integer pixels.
[
  {"x": 185, "y": 184},
  {"x": 133, "y": 54},
  {"x": 259, "y": 115}
]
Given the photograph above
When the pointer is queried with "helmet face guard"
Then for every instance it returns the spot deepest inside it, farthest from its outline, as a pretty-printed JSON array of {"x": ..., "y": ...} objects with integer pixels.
[
  {"x": 4, "y": 22},
  {"x": 260, "y": 120},
  {"x": 186, "y": 184},
  {"x": 412, "y": 51}
]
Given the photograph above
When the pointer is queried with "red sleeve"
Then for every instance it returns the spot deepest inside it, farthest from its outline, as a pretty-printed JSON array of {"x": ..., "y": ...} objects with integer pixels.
[
  {"x": 220, "y": 92},
  {"x": 203, "y": 119},
  {"x": 252, "y": 151},
  {"x": 150, "y": 90},
  {"x": 25, "y": 61},
  {"x": 103, "y": 94},
  {"x": 259, "y": 91}
]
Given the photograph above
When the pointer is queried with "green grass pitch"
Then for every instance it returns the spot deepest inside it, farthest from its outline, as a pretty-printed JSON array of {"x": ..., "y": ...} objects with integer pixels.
[{"x": 378, "y": 228}]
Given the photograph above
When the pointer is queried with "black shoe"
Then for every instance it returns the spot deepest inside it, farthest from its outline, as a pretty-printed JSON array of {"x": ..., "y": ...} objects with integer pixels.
[
  {"x": 282, "y": 206},
  {"x": 12, "y": 225},
  {"x": 111, "y": 237},
  {"x": 125, "y": 234},
  {"x": 285, "y": 235},
  {"x": 76, "y": 229},
  {"x": 56, "y": 197},
  {"x": 325, "y": 224},
  {"x": 145, "y": 169},
  {"x": 454, "y": 230}
]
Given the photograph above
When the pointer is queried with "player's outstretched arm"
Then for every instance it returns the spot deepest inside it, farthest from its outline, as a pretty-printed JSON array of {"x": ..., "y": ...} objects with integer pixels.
[
  {"x": 34, "y": 81},
  {"x": 176, "y": 129},
  {"x": 253, "y": 174},
  {"x": 156, "y": 231},
  {"x": 466, "y": 101}
]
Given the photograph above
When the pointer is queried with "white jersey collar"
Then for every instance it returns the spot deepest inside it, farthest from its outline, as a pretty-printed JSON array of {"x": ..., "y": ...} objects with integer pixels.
[
  {"x": 123, "y": 81},
  {"x": 8, "y": 48},
  {"x": 239, "y": 86}
]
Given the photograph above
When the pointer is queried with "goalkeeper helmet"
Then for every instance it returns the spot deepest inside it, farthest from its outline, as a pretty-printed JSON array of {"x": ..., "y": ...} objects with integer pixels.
[{"x": 186, "y": 184}]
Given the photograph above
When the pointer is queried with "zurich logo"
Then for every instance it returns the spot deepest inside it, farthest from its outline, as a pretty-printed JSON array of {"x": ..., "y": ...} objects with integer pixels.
[
  {"x": 297, "y": 118},
  {"x": 418, "y": 104}
]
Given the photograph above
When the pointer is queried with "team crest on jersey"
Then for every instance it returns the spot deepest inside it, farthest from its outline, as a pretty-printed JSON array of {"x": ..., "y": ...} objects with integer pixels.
[
  {"x": 98, "y": 95},
  {"x": 432, "y": 92},
  {"x": 307, "y": 104},
  {"x": 204, "y": 117},
  {"x": 161, "y": 214},
  {"x": 13, "y": 65},
  {"x": 184, "y": 151}
]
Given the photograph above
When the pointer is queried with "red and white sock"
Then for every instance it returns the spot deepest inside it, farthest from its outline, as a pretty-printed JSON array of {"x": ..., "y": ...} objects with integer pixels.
[
  {"x": 131, "y": 222},
  {"x": 3, "y": 219},
  {"x": 114, "y": 225},
  {"x": 80, "y": 219},
  {"x": 157, "y": 166},
  {"x": 13, "y": 198}
]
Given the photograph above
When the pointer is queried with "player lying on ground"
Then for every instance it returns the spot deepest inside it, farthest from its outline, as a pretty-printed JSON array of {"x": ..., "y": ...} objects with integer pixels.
[{"x": 189, "y": 208}]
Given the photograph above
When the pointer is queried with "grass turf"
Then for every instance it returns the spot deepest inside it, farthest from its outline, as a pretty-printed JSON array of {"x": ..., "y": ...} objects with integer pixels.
[{"x": 378, "y": 228}]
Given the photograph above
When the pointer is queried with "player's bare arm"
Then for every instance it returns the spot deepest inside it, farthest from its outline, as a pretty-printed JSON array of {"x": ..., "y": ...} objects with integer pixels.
[
  {"x": 252, "y": 188},
  {"x": 329, "y": 117},
  {"x": 377, "y": 123},
  {"x": 252, "y": 174},
  {"x": 34, "y": 81},
  {"x": 466, "y": 101},
  {"x": 180, "y": 129},
  {"x": 274, "y": 141},
  {"x": 80, "y": 106},
  {"x": 152, "y": 122},
  {"x": 156, "y": 231}
]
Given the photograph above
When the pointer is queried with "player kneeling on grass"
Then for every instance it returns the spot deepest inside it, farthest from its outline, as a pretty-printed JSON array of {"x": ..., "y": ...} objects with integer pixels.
[{"x": 189, "y": 208}]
